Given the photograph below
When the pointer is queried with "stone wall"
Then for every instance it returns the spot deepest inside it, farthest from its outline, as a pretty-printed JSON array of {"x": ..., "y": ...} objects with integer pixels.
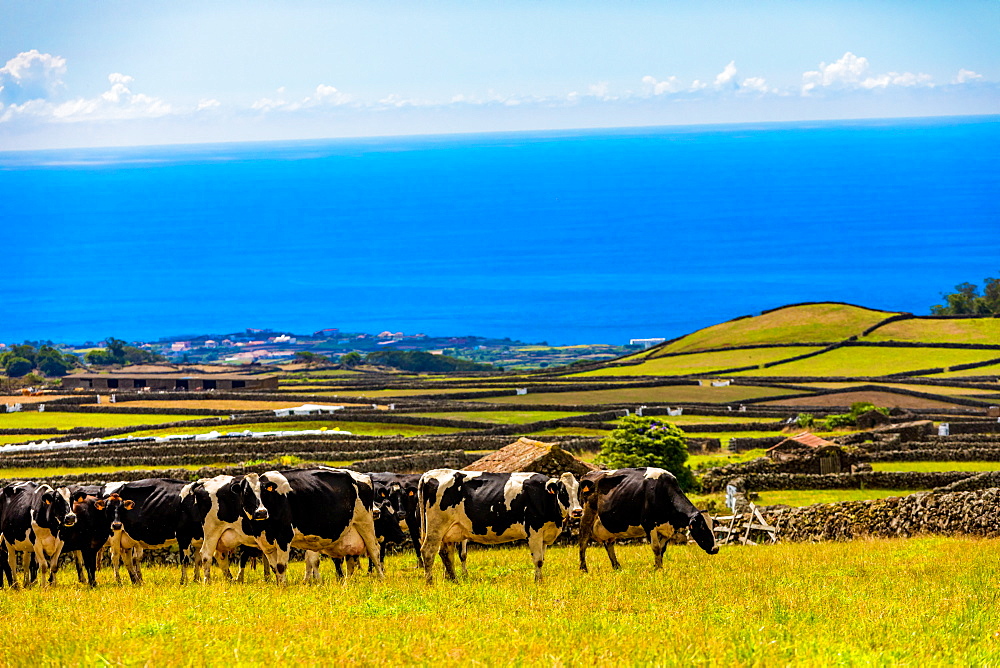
[{"x": 968, "y": 513}]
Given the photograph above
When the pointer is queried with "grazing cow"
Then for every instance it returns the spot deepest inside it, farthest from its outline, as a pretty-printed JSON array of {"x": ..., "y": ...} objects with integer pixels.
[
  {"x": 151, "y": 514},
  {"x": 405, "y": 500},
  {"x": 493, "y": 508},
  {"x": 323, "y": 511},
  {"x": 230, "y": 511},
  {"x": 32, "y": 522},
  {"x": 631, "y": 503}
]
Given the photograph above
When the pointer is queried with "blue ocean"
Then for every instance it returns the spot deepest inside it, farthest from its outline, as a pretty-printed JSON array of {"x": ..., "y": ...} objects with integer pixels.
[{"x": 593, "y": 236}]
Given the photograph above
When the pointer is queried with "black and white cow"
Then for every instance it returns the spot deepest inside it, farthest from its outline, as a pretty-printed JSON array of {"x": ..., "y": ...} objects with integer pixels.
[
  {"x": 151, "y": 514},
  {"x": 492, "y": 508},
  {"x": 403, "y": 498},
  {"x": 32, "y": 521},
  {"x": 632, "y": 503},
  {"x": 323, "y": 511},
  {"x": 230, "y": 510}
]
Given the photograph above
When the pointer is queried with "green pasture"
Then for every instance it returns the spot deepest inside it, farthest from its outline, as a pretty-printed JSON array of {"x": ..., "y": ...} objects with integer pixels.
[
  {"x": 56, "y": 420},
  {"x": 643, "y": 395},
  {"x": 990, "y": 370},
  {"x": 384, "y": 394},
  {"x": 940, "y": 390},
  {"x": 570, "y": 431},
  {"x": 926, "y": 330},
  {"x": 936, "y": 466},
  {"x": 6, "y": 439},
  {"x": 922, "y": 601},
  {"x": 704, "y": 462},
  {"x": 695, "y": 363},
  {"x": 807, "y": 497},
  {"x": 817, "y": 323},
  {"x": 873, "y": 361},
  {"x": 726, "y": 436},
  {"x": 502, "y": 417},
  {"x": 49, "y": 471},
  {"x": 359, "y": 428}
]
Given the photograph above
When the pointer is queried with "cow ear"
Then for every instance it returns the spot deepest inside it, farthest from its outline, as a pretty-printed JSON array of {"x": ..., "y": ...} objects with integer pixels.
[
  {"x": 100, "y": 505},
  {"x": 586, "y": 486},
  {"x": 129, "y": 504},
  {"x": 552, "y": 486},
  {"x": 78, "y": 496}
]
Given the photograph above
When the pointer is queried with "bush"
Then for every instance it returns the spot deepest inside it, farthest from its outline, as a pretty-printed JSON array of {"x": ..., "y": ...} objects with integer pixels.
[
  {"x": 646, "y": 441},
  {"x": 17, "y": 367}
]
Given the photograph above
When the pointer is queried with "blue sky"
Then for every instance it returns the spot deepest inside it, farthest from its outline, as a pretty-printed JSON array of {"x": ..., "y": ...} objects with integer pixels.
[{"x": 119, "y": 73}]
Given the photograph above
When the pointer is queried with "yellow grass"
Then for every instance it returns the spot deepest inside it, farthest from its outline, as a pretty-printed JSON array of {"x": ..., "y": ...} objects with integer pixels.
[
  {"x": 640, "y": 395},
  {"x": 962, "y": 330},
  {"x": 798, "y": 324},
  {"x": 865, "y": 361},
  {"x": 926, "y": 601},
  {"x": 701, "y": 362}
]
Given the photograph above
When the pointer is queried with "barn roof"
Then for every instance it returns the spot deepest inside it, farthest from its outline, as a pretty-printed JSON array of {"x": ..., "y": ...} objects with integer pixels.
[
  {"x": 805, "y": 438},
  {"x": 526, "y": 454}
]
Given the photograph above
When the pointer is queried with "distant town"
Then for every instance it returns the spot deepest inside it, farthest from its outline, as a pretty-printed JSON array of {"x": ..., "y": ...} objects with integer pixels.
[{"x": 272, "y": 347}]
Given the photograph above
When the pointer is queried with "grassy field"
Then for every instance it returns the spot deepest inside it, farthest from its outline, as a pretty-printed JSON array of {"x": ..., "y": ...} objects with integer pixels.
[
  {"x": 826, "y": 323},
  {"x": 641, "y": 395},
  {"x": 962, "y": 330},
  {"x": 55, "y": 420},
  {"x": 924, "y": 601},
  {"x": 991, "y": 370},
  {"x": 807, "y": 497},
  {"x": 694, "y": 363},
  {"x": 24, "y": 438},
  {"x": 63, "y": 470},
  {"x": 863, "y": 361},
  {"x": 503, "y": 417},
  {"x": 936, "y": 466},
  {"x": 219, "y": 404},
  {"x": 360, "y": 428}
]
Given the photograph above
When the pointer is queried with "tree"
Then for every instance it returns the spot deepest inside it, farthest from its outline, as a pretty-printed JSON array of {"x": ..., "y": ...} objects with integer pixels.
[
  {"x": 644, "y": 441},
  {"x": 966, "y": 299},
  {"x": 311, "y": 358},
  {"x": 98, "y": 357},
  {"x": 53, "y": 363},
  {"x": 17, "y": 367},
  {"x": 351, "y": 359}
]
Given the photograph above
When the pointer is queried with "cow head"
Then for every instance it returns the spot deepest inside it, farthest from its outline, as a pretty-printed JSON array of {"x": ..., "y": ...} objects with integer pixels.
[
  {"x": 115, "y": 507},
  {"x": 248, "y": 490},
  {"x": 701, "y": 527},
  {"x": 567, "y": 492},
  {"x": 57, "y": 508}
]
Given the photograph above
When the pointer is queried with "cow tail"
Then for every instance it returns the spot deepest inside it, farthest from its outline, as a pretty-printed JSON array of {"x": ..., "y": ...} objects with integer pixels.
[{"x": 421, "y": 515}]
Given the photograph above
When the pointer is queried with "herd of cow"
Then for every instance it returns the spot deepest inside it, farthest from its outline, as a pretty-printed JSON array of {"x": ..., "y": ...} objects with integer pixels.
[{"x": 334, "y": 512}]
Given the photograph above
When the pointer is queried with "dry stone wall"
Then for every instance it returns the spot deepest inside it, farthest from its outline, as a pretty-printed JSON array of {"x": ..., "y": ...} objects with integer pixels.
[{"x": 951, "y": 513}]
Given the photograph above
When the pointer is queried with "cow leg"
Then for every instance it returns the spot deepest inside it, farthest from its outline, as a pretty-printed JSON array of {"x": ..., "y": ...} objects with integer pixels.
[
  {"x": 209, "y": 547},
  {"x": 338, "y": 566},
  {"x": 276, "y": 559},
  {"x": 131, "y": 565},
  {"x": 78, "y": 558},
  {"x": 659, "y": 544},
  {"x": 414, "y": 528},
  {"x": 463, "y": 556},
  {"x": 446, "y": 552},
  {"x": 116, "y": 558},
  {"x": 609, "y": 546},
  {"x": 368, "y": 535},
  {"x": 44, "y": 565},
  {"x": 89, "y": 559},
  {"x": 5, "y": 570},
  {"x": 536, "y": 543},
  {"x": 11, "y": 569},
  {"x": 312, "y": 568},
  {"x": 431, "y": 545},
  {"x": 351, "y": 564}
]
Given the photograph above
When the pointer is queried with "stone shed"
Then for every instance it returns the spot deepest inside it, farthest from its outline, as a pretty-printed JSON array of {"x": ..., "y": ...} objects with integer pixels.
[
  {"x": 526, "y": 454},
  {"x": 816, "y": 454}
]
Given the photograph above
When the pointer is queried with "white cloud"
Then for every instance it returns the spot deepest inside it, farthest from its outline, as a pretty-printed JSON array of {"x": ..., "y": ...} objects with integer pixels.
[
  {"x": 727, "y": 77},
  {"x": 851, "y": 72},
  {"x": 117, "y": 103},
  {"x": 330, "y": 95},
  {"x": 964, "y": 76},
  {"x": 755, "y": 84},
  {"x": 208, "y": 104},
  {"x": 324, "y": 95},
  {"x": 669, "y": 85},
  {"x": 31, "y": 75}
]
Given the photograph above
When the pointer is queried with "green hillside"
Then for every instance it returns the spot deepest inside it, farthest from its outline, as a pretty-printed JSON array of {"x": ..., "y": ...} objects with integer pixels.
[
  {"x": 697, "y": 363},
  {"x": 928, "y": 330},
  {"x": 810, "y": 323}
]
